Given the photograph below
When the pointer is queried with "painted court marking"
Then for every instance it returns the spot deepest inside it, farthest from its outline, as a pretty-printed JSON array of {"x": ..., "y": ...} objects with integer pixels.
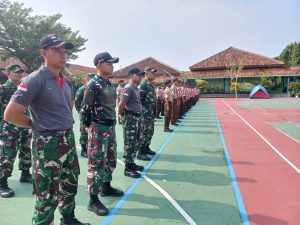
[
  {"x": 237, "y": 192},
  {"x": 264, "y": 139}
]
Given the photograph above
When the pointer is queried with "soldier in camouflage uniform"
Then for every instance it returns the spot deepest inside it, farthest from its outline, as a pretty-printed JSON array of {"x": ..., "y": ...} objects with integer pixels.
[
  {"x": 12, "y": 139},
  {"x": 50, "y": 97},
  {"x": 83, "y": 140},
  {"x": 99, "y": 116},
  {"x": 148, "y": 99},
  {"x": 130, "y": 109}
]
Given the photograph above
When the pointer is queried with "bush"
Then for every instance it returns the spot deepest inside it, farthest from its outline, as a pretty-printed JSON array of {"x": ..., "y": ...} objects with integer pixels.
[
  {"x": 266, "y": 83},
  {"x": 234, "y": 85},
  {"x": 202, "y": 84},
  {"x": 294, "y": 88},
  {"x": 246, "y": 87}
]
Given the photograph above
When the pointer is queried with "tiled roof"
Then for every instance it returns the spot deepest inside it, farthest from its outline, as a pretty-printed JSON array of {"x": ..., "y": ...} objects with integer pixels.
[
  {"x": 234, "y": 55},
  {"x": 159, "y": 79},
  {"x": 244, "y": 72},
  {"x": 74, "y": 68},
  {"x": 162, "y": 68}
]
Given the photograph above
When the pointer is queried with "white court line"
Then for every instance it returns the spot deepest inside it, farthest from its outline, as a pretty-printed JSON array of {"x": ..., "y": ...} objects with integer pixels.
[
  {"x": 168, "y": 197},
  {"x": 262, "y": 137},
  {"x": 283, "y": 132}
]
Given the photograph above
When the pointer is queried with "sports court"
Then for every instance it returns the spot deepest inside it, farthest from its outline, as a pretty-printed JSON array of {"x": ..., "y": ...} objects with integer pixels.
[{"x": 229, "y": 162}]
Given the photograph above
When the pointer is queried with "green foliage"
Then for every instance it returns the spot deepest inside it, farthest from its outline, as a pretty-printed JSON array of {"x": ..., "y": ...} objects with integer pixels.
[
  {"x": 266, "y": 83},
  {"x": 202, "y": 84},
  {"x": 77, "y": 79},
  {"x": 235, "y": 86},
  {"x": 246, "y": 87},
  {"x": 290, "y": 54},
  {"x": 294, "y": 88},
  {"x": 20, "y": 33}
]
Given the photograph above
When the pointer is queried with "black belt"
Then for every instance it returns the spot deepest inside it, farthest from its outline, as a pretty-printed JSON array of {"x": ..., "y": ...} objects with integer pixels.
[
  {"x": 129, "y": 112},
  {"x": 105, "y": 122},
  {"x": 56, "y": 132}
]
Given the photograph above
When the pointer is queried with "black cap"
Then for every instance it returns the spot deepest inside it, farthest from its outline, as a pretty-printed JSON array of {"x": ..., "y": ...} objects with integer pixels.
[
  {"x": 167, "y": 82},
  {"x": 105, "y": 57},
  {"x": 136, "y": 71},
  {"x": 150, "y": 69},
  {"x": 15, "y": 68},
  {"x": 54, "y": 41}
]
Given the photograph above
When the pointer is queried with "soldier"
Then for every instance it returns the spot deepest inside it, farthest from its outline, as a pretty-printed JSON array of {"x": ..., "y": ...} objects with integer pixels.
[
  {"x": 148, "y": 99},
  {"x": 78, "y": 104},
  {"x": 168, "y": 105},
  {"x": 174, "y": 92},
  {"x": 99, "y": 115},
  {"x": 130, "y": 109},
  {"x": 13, "y": 139},
  {"x": 50, "y": 97}
]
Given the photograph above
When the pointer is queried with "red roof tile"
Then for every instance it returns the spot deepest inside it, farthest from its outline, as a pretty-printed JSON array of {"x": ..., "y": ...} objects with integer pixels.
[
  {"x": 74, "y": 68},
  {"x": 162, "y": 68},
  {"x": 234, "y": 55}
]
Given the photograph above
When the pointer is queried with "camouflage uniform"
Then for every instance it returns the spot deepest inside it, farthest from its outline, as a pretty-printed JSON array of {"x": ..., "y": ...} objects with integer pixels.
[
  {"x": 56, "y": 171},
  {"x": 148, "y": 99},
  {"x": 12, "y": 139},
  {"x": 99, "y": 114},
  {"x": 83, "y": 140}
]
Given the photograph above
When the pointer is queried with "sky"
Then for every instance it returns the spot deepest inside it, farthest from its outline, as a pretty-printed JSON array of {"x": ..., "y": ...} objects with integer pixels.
[{"x": 177, "y": 32}]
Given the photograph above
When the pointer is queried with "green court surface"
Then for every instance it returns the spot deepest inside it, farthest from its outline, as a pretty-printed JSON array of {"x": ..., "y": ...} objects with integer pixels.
[
  {"x": 191, "y": 168},
  {"x": 291, "y": 103},
  {"x": 291, "y": 129}
]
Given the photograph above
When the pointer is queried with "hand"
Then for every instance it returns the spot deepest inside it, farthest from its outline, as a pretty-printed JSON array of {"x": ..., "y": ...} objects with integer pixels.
[
  {"x": 120, "y": 118},
  {"x": 88, "y": 129}
]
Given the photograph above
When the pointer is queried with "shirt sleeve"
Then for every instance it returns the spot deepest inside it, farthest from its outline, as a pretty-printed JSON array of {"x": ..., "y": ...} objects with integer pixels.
[
  {"x": 127, "y": 92},
  {"x": 27, "y": 90},
  {"x": 143, "y": 92}
]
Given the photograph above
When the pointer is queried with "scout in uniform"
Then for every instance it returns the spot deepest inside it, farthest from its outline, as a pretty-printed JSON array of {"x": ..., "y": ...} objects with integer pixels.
[
  {"x": 168, "y": 105},
  {"x": 130, "y": 109},
  {"x": 49, "y": 96},
  {"x": 99, "y": 115}
]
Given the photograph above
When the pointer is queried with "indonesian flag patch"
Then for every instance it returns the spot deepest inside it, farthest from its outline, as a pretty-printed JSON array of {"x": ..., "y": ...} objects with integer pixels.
[{"x": 23, "y": 87}]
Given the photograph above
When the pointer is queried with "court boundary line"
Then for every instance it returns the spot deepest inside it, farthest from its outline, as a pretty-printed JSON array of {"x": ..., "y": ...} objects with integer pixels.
[
  {"x": 264, "y": 139},
  {"x": 116, "y": 208},
  {"x": 237, "y": 192}
]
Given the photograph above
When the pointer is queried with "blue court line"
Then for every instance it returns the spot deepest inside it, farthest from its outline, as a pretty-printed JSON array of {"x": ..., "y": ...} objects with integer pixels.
[
  {"x": 236, "y": 188},
  {"x": 113, "y": 212}
]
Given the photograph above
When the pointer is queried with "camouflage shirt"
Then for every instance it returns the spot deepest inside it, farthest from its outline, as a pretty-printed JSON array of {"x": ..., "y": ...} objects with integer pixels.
[
  {"x": 148, "y": 95},
  {"x": 79, "y": 98},
  {"x": 6, "y": 91}
]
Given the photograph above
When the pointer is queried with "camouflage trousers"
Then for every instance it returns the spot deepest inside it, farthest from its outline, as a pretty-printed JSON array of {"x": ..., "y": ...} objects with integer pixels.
[
  {"x": 13, "y": 140},
  {"x": 55, "y": 174},
  {"x": 131, "y": 125},
  {"x": 83, "y": 140},
  {"x": 102, "y": 156},
  {"x": 146, "y": 128}
]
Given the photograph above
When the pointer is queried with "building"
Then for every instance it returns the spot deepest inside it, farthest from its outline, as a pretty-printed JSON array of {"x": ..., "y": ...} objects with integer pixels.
[{"x": 215, "y": 70}]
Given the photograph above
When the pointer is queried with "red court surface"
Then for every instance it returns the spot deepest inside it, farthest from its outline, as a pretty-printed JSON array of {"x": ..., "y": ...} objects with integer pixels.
[{"x": 268, "y": 180}]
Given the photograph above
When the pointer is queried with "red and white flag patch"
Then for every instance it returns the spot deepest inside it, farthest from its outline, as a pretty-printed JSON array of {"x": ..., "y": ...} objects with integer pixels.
[{"x": 23, "y": 87}]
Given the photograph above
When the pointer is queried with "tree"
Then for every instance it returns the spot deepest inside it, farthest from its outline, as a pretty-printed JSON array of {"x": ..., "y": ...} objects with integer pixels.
[
  {"x": 290, "y": 55},
  {"x": 201, "y": 84},
  {"x": 234, "y": 71},
  {"x": 77, "y": 79},
  {"x": 20, "y": 34}
]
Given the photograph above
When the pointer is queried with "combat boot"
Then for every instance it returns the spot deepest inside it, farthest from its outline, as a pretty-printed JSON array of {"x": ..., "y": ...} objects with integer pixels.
[
  {"x": 84, "y": 151},
  {"x": 142, "y": 155},
  {"x": 25, "y": 177},
  {"x": 108, "y": 190},
  {"x": 5, "y": 191},
  {"x": 137, "y": 167},
  {"x": 130, "y": 171},
  {"x": 96, "y": 206},
  {"x": 149, "y": 151},
  {"x": 69, "y": 219}
]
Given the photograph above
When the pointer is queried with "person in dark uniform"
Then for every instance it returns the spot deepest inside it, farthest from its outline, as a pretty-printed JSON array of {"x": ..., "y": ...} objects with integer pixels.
[{"x": 130, "y": 110}]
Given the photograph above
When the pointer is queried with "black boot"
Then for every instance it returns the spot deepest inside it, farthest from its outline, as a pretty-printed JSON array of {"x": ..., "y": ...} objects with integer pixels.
[
  {"x": 69, "y": 219},
  {"x": 142, "y": 155},
  {"x": 149, "y": 151},
  {"x": 84, "y": 151},
  {"x": 96, "y": 206},
  {"x": 108, "y": 190},
  {"x": 130, "y": 171},
  {"x": 137, "y": 167},
  {"x": 5, "y": 191},
  {"x": 25, "y": 177}
]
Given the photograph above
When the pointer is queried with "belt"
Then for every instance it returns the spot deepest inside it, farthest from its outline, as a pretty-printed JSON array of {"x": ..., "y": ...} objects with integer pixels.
[
  {"x": 129, "y": 112},
  {"x": 56, "y": 132},
  {"x": 105, "y": 122}
]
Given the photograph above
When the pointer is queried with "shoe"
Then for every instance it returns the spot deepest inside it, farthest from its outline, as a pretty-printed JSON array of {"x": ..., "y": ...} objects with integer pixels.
[
  {"x": 175, "y": 124},
  {"x": 158, "y": 117},
  {"x": 137, "y": 167},
  {"x": 84, "y": 151},
  {"x": 168, "y": 130},
  {"x": 130, "y": 171},
  {"x": 108, "y": 190},
  {"x": 69, "y": 219},
  {"x": 143, "y": 156},
  {"x": 84, "y": 154},
  {"x": 25, "y": 177},
  {"x": 5, "y": 191},
  {"x": 97, "y": 207},
  {"x": 149, "y": 151}
]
